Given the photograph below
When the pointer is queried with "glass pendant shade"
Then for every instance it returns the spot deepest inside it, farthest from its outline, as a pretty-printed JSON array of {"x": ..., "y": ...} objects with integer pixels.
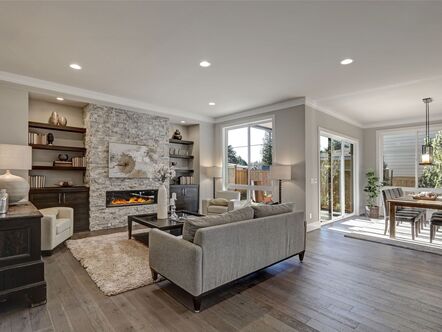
[
  {"x": 427, "y": 155},
  {"x": 427, "y": 149}
]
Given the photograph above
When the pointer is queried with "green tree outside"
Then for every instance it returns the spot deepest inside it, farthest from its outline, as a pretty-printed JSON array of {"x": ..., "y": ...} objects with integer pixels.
[
  {"x": 432, "y": 175},
  {"x": 267, "y": 149}
]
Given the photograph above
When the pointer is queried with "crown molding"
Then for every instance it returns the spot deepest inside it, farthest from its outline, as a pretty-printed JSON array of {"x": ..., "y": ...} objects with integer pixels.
[
  {"x": 314, "y": 105},
  {"x": 42, "y": 86},
  {"x": 262, "y": 109},
  {"x": 403, "y": 122}
]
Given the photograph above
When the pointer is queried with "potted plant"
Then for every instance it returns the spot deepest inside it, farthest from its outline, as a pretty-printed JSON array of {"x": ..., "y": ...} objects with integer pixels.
[{"x": 373, "y": 189}]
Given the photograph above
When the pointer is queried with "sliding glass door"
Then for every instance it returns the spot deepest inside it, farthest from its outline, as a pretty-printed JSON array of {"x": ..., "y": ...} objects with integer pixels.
[{"x": 336, "y": 156}]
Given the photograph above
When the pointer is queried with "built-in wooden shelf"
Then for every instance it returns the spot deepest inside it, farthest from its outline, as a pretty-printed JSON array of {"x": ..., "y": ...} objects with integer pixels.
[
  {"x": 54, "y": 127},
  {"x": 184, "y": 170},
  {"x": 179, "y": 156},
  {"x": 58, "y": 189},
  {"x": 57, "y": 147},
  {"x": 178, "y": 141},
  {"x": 59, "y": 168}
]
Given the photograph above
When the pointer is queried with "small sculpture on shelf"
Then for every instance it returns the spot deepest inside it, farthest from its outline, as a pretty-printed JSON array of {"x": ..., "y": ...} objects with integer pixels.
[
  {"x": 50, "y": 138},
  {"x": 177, "y": 135},
  {"x": 63, "y": 157}
]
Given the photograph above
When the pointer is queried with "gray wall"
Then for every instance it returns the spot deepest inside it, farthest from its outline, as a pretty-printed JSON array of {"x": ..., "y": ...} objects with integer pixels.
[
  {"x": 14, "y": 119},
  {"x": 314, "y": 121},
  {"x": 288, "y": 148}
]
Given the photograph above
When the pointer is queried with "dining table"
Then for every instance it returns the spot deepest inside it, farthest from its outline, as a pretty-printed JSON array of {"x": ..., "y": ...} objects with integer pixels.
[{"x": 409, "y": 201}]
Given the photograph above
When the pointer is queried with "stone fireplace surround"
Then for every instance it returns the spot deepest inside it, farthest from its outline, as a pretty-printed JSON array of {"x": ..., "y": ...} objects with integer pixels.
[{"x": 108, "y": 124}]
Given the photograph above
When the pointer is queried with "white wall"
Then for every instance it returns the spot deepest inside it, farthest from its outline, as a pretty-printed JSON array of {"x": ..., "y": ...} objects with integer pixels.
[
  {"x": 314, "y": 120},
  {"x": 288, "y": 148}
]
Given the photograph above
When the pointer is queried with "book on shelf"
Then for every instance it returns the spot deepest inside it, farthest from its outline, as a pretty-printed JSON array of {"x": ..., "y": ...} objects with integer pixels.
[
  {"x": 78, "y": 162},
  {"x": 37, "y": 181},
  {"x": 37, "y": 138},
  {"x": 62, "y": 163}
]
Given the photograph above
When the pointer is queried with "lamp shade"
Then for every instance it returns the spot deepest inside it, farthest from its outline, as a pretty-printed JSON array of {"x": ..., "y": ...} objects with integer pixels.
[
  {"x": 214, "y": 172},
  {"x": 281, "y": 172},
  {"x": 15, "y": 157}
]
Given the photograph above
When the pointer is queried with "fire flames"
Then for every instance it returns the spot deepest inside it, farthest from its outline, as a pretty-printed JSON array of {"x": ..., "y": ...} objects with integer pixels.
[{"x": 132, "y": 200}]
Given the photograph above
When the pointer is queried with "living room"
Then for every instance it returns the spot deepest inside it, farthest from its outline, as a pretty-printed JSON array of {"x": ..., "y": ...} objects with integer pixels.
[{"x": 220, "y": 166}]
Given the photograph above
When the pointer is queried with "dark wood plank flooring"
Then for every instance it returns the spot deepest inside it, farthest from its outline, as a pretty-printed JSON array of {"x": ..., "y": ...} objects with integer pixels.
[{"x": 343, "y": 285}]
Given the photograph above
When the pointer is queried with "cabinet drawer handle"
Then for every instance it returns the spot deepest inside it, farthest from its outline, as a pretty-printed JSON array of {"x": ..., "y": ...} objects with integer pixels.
[
  {"x": 59, "y": 198},
  {"x": 64, "y": 198}
]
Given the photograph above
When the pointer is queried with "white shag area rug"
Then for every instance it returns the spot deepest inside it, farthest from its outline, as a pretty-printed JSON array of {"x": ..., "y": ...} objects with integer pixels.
[{"x": 115, "y": 263}]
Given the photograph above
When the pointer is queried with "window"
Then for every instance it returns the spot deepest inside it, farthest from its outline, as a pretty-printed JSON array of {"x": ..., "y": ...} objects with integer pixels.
[
  {"x": 400, "y": 154},
  {"x": 248, "y": 153}
]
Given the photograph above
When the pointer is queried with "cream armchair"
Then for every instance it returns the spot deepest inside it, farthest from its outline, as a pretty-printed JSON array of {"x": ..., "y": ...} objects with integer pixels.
[
  {"x": 57, "y": 225},
  {"x": 233, "y": 202}
]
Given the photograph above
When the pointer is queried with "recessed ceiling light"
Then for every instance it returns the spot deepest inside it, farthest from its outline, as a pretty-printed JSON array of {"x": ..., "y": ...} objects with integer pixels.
[
  {"x": 212, "y": 103},
  {"x": 60, "y": 99},
  {"x": 75, "y": 66},
  {"x": 346, "y": 61},
  {"x": 182, "y": 121},
  {"x": 205, "y": 64}
]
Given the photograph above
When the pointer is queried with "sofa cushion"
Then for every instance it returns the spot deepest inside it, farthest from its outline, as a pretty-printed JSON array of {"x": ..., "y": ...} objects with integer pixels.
[
  {"x": 261, "y": 211},
  {"x": 62, "y": 225},
  {"x": 216, "y": 209},
  {"x": 193, "y": 224},
  {"x": 219, "y": 202}
]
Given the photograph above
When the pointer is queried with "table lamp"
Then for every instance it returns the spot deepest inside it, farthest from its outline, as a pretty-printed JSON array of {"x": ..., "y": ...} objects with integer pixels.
[
  {"x": 214, "y": 172},
  {"x": 15, "y": 157},
  {"x": 280, "y": 172}
]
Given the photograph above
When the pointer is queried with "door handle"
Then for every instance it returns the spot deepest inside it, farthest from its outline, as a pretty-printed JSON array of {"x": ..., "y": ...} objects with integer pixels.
[
  {"x": 59, "y": 198},
  {"x": 64, "y": 198}
]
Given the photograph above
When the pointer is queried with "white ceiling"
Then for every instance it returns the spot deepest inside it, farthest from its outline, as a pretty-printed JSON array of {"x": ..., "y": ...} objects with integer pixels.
[{"x": 261, "y": 53}]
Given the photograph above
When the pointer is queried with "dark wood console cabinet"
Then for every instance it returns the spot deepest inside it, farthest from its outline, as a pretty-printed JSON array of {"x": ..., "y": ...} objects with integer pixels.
[
  {"x": 187, "y": 197},
  {"x": 21, "y": 267},
  {"x": 74, "y": 197}
]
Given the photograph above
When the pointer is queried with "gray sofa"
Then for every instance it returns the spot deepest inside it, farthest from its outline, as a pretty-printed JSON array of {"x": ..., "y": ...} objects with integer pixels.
[{"x": 223, "y": 253}]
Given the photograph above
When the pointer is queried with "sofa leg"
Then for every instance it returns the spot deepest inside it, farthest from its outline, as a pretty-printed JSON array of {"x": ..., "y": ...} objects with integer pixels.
[
  {"x": 197, "y": 303},
  {"x": 301, "y": 255},
  {"x": 154, "y": 274}
]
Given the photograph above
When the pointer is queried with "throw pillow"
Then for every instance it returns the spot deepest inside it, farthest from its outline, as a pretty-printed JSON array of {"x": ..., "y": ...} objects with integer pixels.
[
  {"x": 193, "y": 224},
  {"x": 219, "y": 202},
  {"x": 272, "y": 210}
]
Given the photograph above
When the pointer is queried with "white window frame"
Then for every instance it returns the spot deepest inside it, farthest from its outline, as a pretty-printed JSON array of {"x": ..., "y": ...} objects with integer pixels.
[
  {"x": 344, "y": 138},
  {"x": 380, "y": 153},
  {"x": 247, "y": 124}
]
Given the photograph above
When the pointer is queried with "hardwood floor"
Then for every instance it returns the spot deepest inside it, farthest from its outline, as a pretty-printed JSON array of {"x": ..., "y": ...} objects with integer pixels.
[{"x": 343, "y": 285}]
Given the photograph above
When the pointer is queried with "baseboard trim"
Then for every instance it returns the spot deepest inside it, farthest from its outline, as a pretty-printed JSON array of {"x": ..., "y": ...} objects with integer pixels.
[{"x": 313, "y": 226}]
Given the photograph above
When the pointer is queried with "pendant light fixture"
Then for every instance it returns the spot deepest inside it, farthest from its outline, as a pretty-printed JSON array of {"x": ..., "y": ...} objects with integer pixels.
[{"x": 427, "y": 149}]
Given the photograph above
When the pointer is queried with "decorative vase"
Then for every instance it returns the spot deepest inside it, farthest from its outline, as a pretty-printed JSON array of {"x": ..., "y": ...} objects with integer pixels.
[
  {"x": 53, "y": 119},
  {"x": 62, "y": 121},
  {"x": 162, "y": 202},
  {"x": 63, "y": 157}
]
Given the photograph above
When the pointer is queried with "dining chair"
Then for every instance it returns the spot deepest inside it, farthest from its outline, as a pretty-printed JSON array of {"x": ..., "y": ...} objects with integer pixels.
[{"x": 411, "y": 216}]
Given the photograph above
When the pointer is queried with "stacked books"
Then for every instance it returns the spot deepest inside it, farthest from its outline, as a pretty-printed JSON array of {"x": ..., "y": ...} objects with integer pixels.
[
  {"x": 36, "y": 138},
  {"x": 37, "y": 181},
  {"x": 186, "y": 180},
  {"x": 79, "y": 162},
  {"x": 59, "y": 163}
]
